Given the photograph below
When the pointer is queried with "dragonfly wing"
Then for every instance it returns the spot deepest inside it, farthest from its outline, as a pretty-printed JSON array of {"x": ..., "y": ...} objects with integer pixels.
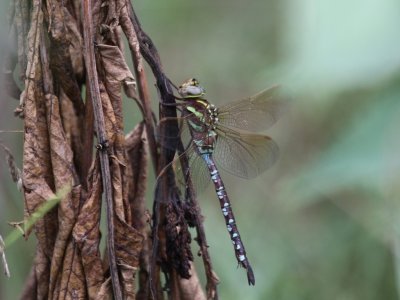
[
  {"x": 244, "y": 154},
  {"x": 255, "y": 113},
  {"x": 191, "y": 171},
  {"x": 170, "y": 141}
]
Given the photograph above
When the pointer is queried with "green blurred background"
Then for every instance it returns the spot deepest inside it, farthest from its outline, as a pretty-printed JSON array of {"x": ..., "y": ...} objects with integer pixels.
[{"x": 323, "y": 222}]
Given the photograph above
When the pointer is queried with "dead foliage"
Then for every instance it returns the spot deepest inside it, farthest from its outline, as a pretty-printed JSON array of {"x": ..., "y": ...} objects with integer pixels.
[{"x": 73, "y": 66}]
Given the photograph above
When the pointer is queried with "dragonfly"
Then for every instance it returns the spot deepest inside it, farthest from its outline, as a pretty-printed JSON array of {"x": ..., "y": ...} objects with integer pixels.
[{"x": 223, "y": 138}]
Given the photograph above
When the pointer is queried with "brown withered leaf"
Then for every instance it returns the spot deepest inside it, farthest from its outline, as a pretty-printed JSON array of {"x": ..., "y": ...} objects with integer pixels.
[
  {"x": 109, "y": 117},
  {"x": 60, "y": 59},
  {"x": 68, "y": 209},
  {"x": 72, "y": 125},
  {"x": 190, "y": 289},
  {"x": 127, "y": 274},
  {"x": 137, "y": 149},
  {"x": 42, "y": 273},
  {"x": 120, "y": 189},
  {"x": 33, "y": 41},
  {"x": 71, "y": 282},
  {"x": 117, "y": 71},
  {"x": 144, "y": 293},
  {"x": 114, "y": 63},
  {"x": 115, "y": 149},
  {"x": 128, "y": 246},
  {"x": 130, "y": 33},
  {"x": 87, "y": 234},
  {"x": 105, "y": 290},
  {"x": 36, "y": 172},
  {"x": 76, "y": 41}
]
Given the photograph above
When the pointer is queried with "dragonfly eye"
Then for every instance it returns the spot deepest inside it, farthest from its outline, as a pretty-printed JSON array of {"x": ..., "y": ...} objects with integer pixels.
[{"x": 191, "y": 89}]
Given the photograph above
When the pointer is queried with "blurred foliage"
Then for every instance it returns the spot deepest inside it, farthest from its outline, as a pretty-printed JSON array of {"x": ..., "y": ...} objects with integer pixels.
[{"x": 322, "y": 223}]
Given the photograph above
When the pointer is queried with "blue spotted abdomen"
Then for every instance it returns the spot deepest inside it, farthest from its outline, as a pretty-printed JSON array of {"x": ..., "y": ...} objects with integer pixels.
[{"x": 230, "y": 222}]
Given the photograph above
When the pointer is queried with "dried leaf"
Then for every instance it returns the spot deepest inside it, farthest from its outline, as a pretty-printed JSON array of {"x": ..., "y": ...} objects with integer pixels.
[
  {"x": 72, "y": 125},
  {"x": 42, "y": 274},
  {"x": 114, "y": 64},
  {"x": 105, "y": 290},
  {"x": 128, "y": 274},
  {"x": 60, "y": 58},
  {"x": 64, "y": 174},
  {"x": 137, "y": 149},
  {"x": 129, "y": 31},
  {"x": 87, "y": 234},
  {"x": 129, "y": 243},
  {"x": 75, "y": 39},
  {"x": 191, "y": 288}
]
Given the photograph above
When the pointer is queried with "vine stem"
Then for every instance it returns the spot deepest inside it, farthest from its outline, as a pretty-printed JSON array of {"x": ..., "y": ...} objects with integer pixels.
[{"x": 94, "y": 92}]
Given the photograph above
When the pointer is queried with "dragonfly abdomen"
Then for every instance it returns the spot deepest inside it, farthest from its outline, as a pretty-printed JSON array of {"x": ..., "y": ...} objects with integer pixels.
[{"x": 229, "y": 217}]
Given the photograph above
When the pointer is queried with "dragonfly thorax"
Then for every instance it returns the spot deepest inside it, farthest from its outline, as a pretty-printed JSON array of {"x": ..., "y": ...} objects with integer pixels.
[{"x": 213, "y": 113}]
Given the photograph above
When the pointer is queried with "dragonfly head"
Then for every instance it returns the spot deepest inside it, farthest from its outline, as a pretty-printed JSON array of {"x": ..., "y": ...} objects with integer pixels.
[{"x": 191, "y": 89}]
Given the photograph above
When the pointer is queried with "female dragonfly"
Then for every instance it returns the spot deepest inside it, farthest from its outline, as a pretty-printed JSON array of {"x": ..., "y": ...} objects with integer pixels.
[{"x": 221, "y": 137}]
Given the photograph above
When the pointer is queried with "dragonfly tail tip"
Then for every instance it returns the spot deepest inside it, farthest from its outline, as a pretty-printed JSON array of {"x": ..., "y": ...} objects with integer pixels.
[{"x": 250, "y": 276}]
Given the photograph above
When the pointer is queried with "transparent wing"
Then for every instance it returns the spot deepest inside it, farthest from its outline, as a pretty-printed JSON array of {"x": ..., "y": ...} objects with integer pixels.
[
  {"x": 191, "y": 171},
  {"x": 245, "y": 155},
  {"x": 255, "y": 113},
  {"x": 170, "y": 141}
]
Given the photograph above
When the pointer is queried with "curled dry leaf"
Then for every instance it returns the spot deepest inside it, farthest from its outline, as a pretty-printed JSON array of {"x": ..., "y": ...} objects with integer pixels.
[
  {"x": 117, "y": 71},
  {"x": 137, "y": 149},
  {"x": 130, "y": 32},
  {"x": 129, "y": 243},
  {"x": 87, "y": 235},
  {"x": 63, "y": 172},
  {"x": 36, "y": 171},
  {"x": 58, "y": 18},
  {"x": 191, "y": 288},
  {"x": 105, "y": 290},
  {"x": 72, "y": 125},
  {"x": 75, "y": 39}
]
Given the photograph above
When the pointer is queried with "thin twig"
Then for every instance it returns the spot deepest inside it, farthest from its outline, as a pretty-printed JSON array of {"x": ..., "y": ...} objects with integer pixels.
[
  {"x": 143, "y": 90},
  {"x": 3, "y": 258},
  {"x": 92, "y": 78}
]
